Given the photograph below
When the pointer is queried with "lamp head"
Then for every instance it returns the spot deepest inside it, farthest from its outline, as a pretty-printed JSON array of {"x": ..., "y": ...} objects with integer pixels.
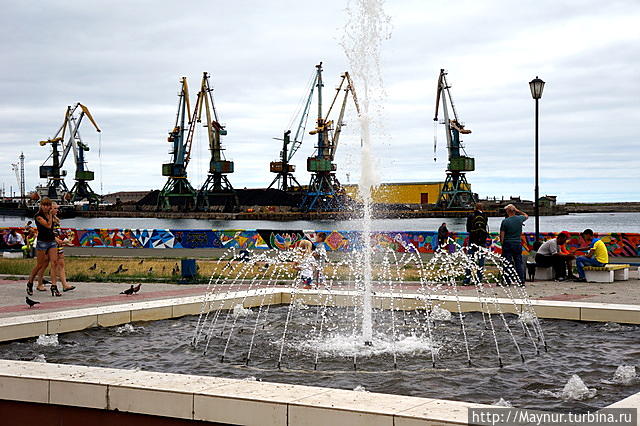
[{"x": 536, "y": 85}]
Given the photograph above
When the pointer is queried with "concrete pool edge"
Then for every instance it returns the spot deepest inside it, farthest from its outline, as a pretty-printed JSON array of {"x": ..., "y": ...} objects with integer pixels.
[
  {"x": 25, "y": 326},
  {"x": 237, "y": 401}
]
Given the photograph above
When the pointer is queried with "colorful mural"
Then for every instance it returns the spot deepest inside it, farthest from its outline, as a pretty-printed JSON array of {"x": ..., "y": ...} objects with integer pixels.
[{"x": 619, "y": 244}]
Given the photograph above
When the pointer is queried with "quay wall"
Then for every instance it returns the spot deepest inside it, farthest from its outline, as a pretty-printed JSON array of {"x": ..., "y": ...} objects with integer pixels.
[{"x": 618, "y": 244}]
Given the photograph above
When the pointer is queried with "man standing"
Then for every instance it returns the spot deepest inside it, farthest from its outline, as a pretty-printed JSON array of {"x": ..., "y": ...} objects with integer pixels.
[
  {"x": 597, "y": 256},
  {"x": 443, "y": 235},
  {"x": 550, "y": 254},
  {"x": 478, "y": 233},
  {"x": 510, "y": 238}
]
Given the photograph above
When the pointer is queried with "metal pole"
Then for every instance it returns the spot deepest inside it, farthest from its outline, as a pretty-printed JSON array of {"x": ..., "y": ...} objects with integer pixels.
[{"x": 537, "y": 190}]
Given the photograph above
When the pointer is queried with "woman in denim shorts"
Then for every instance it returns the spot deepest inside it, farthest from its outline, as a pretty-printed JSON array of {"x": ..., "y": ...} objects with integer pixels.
[{"x": 46, "y": 247}]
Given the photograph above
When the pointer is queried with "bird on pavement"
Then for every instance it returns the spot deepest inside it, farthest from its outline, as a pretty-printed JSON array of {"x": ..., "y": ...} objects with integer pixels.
[
  {"x": 137, "y": 288},
  {"x": 31, "y": 303},
  {"x": 128, "y": 291}
]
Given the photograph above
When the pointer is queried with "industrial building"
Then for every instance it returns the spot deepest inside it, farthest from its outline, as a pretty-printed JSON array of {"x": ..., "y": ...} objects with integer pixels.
[{"x": 413, "y": 194}]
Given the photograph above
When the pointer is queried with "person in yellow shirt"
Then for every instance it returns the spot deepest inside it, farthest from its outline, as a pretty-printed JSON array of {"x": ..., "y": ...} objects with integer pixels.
[{"x": 597, "y": 255}]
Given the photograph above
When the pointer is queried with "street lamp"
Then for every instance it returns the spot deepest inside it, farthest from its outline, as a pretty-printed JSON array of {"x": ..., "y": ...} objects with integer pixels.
[{"x": 537, "y": 85}]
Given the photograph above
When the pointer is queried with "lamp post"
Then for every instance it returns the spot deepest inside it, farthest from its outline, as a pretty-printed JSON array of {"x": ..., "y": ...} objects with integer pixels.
[{"x": 537, "y": 85}]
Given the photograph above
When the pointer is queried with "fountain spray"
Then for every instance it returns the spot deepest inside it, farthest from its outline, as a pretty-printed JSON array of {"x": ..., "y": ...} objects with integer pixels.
[{"x": 366, "y": 27}]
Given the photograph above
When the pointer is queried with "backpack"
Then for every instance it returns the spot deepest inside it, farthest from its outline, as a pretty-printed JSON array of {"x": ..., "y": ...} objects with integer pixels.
[{"x": 477, "y": 228}]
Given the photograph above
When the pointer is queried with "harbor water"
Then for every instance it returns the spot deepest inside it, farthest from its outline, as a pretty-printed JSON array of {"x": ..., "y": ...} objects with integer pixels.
[{"x": 599, "y": 222}]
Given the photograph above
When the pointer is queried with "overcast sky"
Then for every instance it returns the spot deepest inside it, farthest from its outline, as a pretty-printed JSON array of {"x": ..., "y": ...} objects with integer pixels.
[{"x": 124, "y": 60}]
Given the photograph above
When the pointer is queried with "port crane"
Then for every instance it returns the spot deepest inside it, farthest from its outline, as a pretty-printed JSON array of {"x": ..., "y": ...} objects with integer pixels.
[
  {"x": 456, "y": 191},
  {"x": 325, "y": 191},
  {"x": 216, "y": 190},
  {"x": 285, "y": 180},
  {"x": 18, "y": 168},
  {"x": 68, "y": 139},
  {"x": 177, "y": 192}
]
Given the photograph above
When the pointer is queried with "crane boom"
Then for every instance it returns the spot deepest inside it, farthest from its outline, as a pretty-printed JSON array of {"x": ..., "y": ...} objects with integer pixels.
[{"x": 456, "y": 191}]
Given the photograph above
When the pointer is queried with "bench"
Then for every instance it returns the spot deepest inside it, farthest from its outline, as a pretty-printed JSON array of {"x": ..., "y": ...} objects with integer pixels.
[
  {"x": 12, "y": 254},
  {"x": 607, "y": 273},
  {"x": 539, "y": 273},
  {"x": 544, "y": 273}
]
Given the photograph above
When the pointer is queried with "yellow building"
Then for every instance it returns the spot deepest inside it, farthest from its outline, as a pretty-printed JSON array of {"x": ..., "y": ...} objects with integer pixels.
[{"x": 402, "y": 193}]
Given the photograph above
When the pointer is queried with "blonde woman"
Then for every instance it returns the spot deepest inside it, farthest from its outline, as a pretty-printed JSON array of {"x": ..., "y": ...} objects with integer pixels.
[
  {"x": 61, "y": 241},
  {"x": 46, "y": 248}
]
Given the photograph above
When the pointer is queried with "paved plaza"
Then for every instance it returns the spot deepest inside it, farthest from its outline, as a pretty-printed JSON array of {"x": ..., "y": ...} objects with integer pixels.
[{"x": 97, "y": 294}]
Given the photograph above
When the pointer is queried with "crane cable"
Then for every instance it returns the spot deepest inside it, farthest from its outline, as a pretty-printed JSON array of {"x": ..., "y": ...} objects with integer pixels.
[
  {"x": 100, "y": 160},
  {"x": 435, "y": 139}
]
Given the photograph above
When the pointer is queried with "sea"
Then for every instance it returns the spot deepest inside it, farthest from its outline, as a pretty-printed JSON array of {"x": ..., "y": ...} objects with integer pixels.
[{"x": 599, "y": 222}]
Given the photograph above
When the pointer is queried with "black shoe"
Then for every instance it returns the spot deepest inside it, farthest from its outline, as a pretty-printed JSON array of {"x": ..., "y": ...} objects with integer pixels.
[
  {"x": 30, "y": 289},
  {"x": 45, "y": 281},
  {"x": 580, "y": 280},
  {"x": 55, "y": 291}
]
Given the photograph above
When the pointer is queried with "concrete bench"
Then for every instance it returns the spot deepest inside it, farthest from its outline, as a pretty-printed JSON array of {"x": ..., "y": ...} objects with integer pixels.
[
  {"x": 12, "y": 254},
  {"x": 544, "y": 273},
  {"x": 539, "y": 273},
  {"x": 607, "y": 273}
]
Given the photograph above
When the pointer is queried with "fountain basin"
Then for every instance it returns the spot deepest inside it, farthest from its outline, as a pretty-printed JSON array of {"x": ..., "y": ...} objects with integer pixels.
[{"x": 48, "y": 323}]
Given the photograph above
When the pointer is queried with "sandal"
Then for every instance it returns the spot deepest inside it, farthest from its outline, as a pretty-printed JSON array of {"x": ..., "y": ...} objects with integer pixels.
[
  {"x": 73, "y": 287},
  {"x": 54, "y": 291},
  {"x": 30, "y": 289}
]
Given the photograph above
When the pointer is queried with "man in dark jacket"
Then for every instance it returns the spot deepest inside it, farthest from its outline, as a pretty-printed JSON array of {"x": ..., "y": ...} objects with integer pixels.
[
  {"x": 443, "y": 236},
  {"x": 477, "y": 227}
]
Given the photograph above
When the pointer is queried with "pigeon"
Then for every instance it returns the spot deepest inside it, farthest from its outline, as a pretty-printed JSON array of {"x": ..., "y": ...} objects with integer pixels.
[
  {"x": 31, "y": 303},
  {"x": 120, "y": 268},
  {"x": 173, "y": 271},
  {"x": 93, "y": 268},
  {"x": 128, "y": 291},
  {"x": 102, "y": 272},
  {"x": 163, "y": 268},
  {"x": 137, "y": 288},
  {"x": 141, "y": 262},
  {"x": 124, "y": 270},
  {"x": 150, "y": 270}
]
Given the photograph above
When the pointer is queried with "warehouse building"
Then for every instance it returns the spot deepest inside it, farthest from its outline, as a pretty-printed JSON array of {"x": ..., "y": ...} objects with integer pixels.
[{"x": 411, "y": 194}]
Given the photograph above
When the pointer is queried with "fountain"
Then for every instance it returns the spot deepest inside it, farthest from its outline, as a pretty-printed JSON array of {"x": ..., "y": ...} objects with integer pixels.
[
  {"x": 412, "y": 299},
  {"x": 364, "y": 33},
  {"x": 381, "y": 321}
]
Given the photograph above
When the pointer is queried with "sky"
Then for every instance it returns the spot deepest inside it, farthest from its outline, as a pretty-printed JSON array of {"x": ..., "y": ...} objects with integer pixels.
[{"x": 124, "y": 61}]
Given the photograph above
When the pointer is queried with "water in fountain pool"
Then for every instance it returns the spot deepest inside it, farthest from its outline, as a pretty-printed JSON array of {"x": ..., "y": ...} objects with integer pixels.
[{"x": 589, "y": 350}]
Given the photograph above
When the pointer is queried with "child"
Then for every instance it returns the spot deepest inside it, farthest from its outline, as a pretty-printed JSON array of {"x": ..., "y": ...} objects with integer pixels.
[
  {"x": 320, "y": 254},
  {"x": 531, "y": 260},
  {"x": 306, "y": 264}
]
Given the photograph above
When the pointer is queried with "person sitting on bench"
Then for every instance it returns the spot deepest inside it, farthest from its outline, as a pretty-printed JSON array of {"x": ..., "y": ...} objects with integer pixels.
[
  {"x": 13, "y": 240},
  {"x": 597, "y": 255},
  {"x": 549, "y": 255}
]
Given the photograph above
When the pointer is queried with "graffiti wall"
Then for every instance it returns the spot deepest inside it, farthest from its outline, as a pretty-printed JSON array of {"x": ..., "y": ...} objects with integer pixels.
[{"x": 619, "y": 244}]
